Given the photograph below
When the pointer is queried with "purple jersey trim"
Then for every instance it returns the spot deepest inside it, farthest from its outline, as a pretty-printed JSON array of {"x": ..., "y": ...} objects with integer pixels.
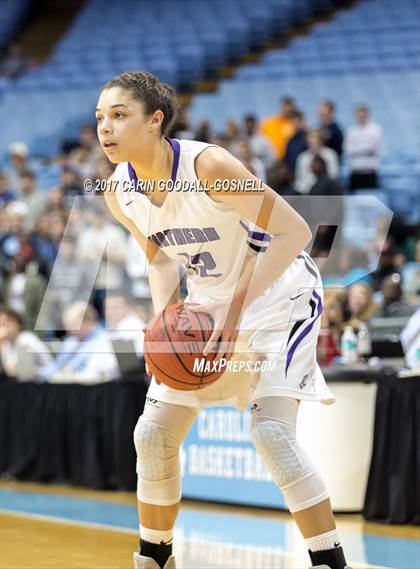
[
  {"x": 256, "y": 235},
  {"x": 177, "y": 152},
  {"x": 304, "y": 332}
]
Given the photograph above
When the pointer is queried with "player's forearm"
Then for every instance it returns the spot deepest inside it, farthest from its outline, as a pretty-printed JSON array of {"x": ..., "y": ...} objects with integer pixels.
[
  {"x": 164, "y": 284},
  {"x": 266, "y": 268}
]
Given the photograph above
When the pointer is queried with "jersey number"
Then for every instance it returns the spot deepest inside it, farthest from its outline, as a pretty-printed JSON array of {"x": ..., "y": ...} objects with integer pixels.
[{"x": 201, "y": 263}]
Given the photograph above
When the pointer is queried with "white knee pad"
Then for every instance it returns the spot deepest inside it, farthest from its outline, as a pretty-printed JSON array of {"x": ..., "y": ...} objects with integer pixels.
[
  {"x": 290, "y": 467},
  {"x": 158, "y": 464}
]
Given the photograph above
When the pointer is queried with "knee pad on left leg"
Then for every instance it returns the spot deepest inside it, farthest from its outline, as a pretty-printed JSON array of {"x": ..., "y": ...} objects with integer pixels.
[
  {"x": 158, "y": 464},
  {"x": 290, "y": 467}
]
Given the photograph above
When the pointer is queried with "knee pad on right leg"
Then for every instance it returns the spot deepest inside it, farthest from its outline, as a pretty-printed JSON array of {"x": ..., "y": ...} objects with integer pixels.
[
  {"x": 290, "y": 467},
  {"x": 158, "y": 465}
]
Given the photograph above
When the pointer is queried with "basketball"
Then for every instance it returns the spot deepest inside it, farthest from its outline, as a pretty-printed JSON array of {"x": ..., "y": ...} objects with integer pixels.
[{"x": 173, "y": 348}]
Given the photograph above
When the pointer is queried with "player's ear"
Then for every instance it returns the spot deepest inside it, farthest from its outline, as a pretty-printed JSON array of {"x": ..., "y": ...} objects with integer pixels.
[{"x": 156, "y": 120}]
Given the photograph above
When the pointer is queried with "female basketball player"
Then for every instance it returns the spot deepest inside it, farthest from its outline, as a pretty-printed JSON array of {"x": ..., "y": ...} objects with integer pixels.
[{"x": 243, "y": 252}]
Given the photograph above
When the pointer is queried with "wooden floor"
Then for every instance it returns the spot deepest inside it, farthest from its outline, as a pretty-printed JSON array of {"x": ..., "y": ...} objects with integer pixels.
[{"x": 44, "y": 535}]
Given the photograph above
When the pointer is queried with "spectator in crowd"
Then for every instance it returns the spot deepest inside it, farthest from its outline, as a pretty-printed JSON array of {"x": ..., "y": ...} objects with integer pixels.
[
  {"x": 258, "y": 143},
  {"x": 323, "y": 184},
  {"x": 101, "y": 241},
  {"x": 32, "y": 197},
  {"x": 233, "y": 136},
  {"x": 123, "y": 322},
  {"x": 304, "y": 176},
  {"x": 363, "y": 144},
  {"x": 332, "y": 326},
  {"x": 12, "y": 232},
  {"x": 279, "y": 128},
  {"x": 298, "y": 142},
  {"x": 393, "y": 303},
  {"x": 70, "y": 184},
  {"x": 251, "y": 162},
  {"x": 182, "y": 127},
  {"x": 391, "y": 259},
  {"x": 44, "y": 244},
  {"x": 19, "y": 162},
  {"x": 410, "y": 341},
  {"x": 361, "y": 304},
  {"x": 333, "y": 135},
  {"x": 324, "y": 219},
  {"x": 23, "y": 289},
  {"x": 67, "y": 283},
  {"x": 13, "y": 63},
  {"x": 86, "y": 353},
  {"x": 203, "y": 132},
  {"x": 280, "y": 178},
  {"x": 22, "y": 353},
  {"x": 136, "y": 267},
  {"x": 6, "y": 195},
  {"x": 55, "y": 203}
]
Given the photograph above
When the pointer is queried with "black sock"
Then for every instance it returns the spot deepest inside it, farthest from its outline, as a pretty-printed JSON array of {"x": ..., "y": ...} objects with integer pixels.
[
  {"x": 334, "y": 558},
  {"x": 160, "y": 552}
]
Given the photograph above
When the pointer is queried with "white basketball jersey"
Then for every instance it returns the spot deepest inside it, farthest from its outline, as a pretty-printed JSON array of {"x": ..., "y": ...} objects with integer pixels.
[{"x": 210, "y": 239}]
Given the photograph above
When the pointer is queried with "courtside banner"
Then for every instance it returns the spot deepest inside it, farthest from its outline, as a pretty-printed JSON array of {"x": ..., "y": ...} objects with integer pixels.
[{"x": 219, "y": 461}]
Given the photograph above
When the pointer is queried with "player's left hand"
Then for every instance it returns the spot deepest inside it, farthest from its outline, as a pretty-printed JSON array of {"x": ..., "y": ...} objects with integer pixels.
[{"x": 226, "y": 316}]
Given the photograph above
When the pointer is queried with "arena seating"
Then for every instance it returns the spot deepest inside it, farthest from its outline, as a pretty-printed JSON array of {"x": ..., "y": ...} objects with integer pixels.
[
  {"x": 369, "y": 53},
  {"x": 180, "y": 42}
]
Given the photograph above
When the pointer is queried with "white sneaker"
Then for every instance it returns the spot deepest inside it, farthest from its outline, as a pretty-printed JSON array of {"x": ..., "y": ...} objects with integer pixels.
[{"x": 141, "y": 562}]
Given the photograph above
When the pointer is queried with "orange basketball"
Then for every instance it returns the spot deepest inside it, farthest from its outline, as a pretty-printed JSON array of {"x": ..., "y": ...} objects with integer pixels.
[{"x": 173, "y": 341}]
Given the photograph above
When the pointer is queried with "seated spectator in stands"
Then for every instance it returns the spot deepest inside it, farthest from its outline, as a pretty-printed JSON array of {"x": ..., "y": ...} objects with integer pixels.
[
  {"x": 304, "y": 177},
  {"x": 86, "y": 353},
  {"x": 361, "y": 304},
  {"x": 233, "y": 137},
  {"x": 182, "y": 127},
  {"x": 102, "y": 245},
  {"x": 203, "y": 132},
  {"x": 393, "y": 304},
  {"x": 279, "y": 128},
  {"x": 19, "y": 162},
  {"x": 333, "y": 135},
  {"x": 67, "y": 283},
  {"x": 13, "y": 62},
  {"x": 410, "y": 341},
  {"x": 23, "y": 289},
  {"x": 22, "y": 353},
  {"x": 391, "y": 259},
  {"x": 12, "y": 231},
  {"x": 32, "y": 197},
  {"x": 346, "y": 265},
  {"x": 280, "y": 178},
  {"x": 71, "y": 185},
  {"x": 324, "y": 185},
  {"x": 6, "y": 194},
  {"x": 137, "y": 269},
  {"x": 44, "y": 247},
  {"x": 251, "y": 162},
  {"x": 332, "y": 326},
  {"x": 55, "y": 203},
  {"x": 363, "y": 144},
  {"x": 298, "y": 142},
  {"x": 123, "y": 321},
  {"x": 258, "y": 143}
]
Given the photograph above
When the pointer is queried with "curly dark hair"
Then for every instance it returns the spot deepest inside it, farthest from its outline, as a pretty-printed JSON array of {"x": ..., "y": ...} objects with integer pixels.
[{"x": 154, "y": 94}]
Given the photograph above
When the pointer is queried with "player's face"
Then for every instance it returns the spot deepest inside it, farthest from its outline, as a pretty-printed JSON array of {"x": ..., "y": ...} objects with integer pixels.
[{"x": 122, "y": 126}]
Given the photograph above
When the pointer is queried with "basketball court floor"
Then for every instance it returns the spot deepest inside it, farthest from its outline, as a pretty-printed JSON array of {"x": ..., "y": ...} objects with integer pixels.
[{"x": 51, "y": 527}]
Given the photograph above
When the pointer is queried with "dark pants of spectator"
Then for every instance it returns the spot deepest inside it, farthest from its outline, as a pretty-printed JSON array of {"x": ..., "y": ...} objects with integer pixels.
[
  {"x": 360, "y": 180},
  {"x": 98, "y": 301}
]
